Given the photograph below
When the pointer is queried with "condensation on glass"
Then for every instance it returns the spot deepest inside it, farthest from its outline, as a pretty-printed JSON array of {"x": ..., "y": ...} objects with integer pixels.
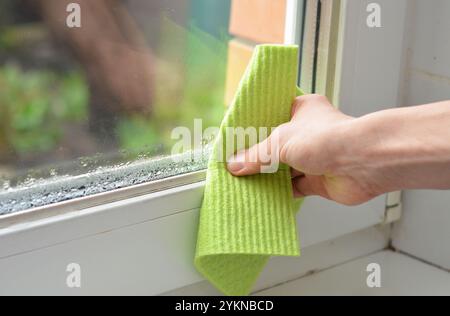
[{"x": 96, "y": 104}]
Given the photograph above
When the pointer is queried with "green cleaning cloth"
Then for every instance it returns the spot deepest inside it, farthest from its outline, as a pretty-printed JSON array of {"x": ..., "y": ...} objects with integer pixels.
[{"x": 246, "y": 220}]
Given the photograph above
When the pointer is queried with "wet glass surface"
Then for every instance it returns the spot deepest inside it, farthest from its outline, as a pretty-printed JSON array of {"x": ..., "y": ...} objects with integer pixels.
[{"x": 85, "y": 101}]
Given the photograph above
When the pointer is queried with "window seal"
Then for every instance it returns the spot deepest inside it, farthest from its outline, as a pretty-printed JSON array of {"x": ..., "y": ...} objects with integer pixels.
[
  {"x": 102, "y": 184},
  {"x": 107, "y": 197}
]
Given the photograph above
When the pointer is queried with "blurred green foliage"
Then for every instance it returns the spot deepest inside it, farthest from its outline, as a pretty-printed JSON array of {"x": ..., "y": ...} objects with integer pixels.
[
  {"x": 35, "y": 105},
  {"x": 190, "y": 79},
  {"x": 137, "y": 134},
  {"x": 191, "y": 86},
  {"x": 13, "y": 39}
]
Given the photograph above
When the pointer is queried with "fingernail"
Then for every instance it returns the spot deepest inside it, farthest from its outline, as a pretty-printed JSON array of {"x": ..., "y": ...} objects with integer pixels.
[{"x": 236, "y": 163}]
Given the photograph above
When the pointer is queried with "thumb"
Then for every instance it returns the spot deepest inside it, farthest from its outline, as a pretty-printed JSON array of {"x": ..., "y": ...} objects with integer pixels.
[{"x": 262, "y": 157}]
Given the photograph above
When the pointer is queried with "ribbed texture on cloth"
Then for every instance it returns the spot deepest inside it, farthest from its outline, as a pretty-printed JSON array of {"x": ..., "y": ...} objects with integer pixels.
[{"x": 245, "y": 220}]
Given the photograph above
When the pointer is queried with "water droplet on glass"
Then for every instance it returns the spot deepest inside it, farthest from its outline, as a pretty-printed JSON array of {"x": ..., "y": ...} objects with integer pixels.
[
  {"x": 6, "y": 185},
  {"x": 83, "y": 162},
  {"x": 53, "y": 172}
]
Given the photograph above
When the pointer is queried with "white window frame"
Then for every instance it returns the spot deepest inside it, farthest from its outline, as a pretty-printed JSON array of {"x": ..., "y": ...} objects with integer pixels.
[{"x": 141, "y": 240}]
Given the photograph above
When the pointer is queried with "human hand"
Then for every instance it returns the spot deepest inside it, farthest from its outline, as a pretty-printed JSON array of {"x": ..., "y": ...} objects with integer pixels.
[{"x": 314, "y": 144}]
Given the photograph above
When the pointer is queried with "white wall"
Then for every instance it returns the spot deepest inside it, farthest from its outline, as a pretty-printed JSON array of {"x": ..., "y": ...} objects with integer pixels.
[{"x": 424, "y": 230}]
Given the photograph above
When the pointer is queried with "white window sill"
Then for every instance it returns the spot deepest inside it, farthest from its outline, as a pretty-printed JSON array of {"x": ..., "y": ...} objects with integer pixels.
[
  {"x": 141, "y": 245},
  {"x": 420, "y": 279}
]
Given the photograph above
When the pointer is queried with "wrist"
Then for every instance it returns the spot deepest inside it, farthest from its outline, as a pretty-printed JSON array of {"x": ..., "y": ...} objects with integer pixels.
[
  {"x": 398, "y": 149},
  {"x": 365, "y": 152}
]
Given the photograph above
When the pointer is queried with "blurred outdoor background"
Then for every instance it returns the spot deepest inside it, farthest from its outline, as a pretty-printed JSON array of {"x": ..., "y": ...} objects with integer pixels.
[{"x": 111, "y": 91}]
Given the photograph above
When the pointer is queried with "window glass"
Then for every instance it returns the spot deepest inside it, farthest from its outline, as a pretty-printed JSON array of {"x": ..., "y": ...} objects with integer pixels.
[{"x": 93, "y": 84}]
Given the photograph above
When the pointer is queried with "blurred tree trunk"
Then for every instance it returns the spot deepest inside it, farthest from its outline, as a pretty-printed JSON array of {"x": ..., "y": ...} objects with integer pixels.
[{"x": 113, "y": 53}]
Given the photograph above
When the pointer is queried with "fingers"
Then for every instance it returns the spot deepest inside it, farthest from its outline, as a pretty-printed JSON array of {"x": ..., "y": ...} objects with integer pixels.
[
  {"x": 254, "y": 159},
  {"x": 308, "y": 185},
  {"x": 239, "y": 165},
  {"x": 295, "y": 173},
  {"x": 264, "y": 157},
  {"x": 250, "y": 161},
  {"x": 301, "y": 187}
]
